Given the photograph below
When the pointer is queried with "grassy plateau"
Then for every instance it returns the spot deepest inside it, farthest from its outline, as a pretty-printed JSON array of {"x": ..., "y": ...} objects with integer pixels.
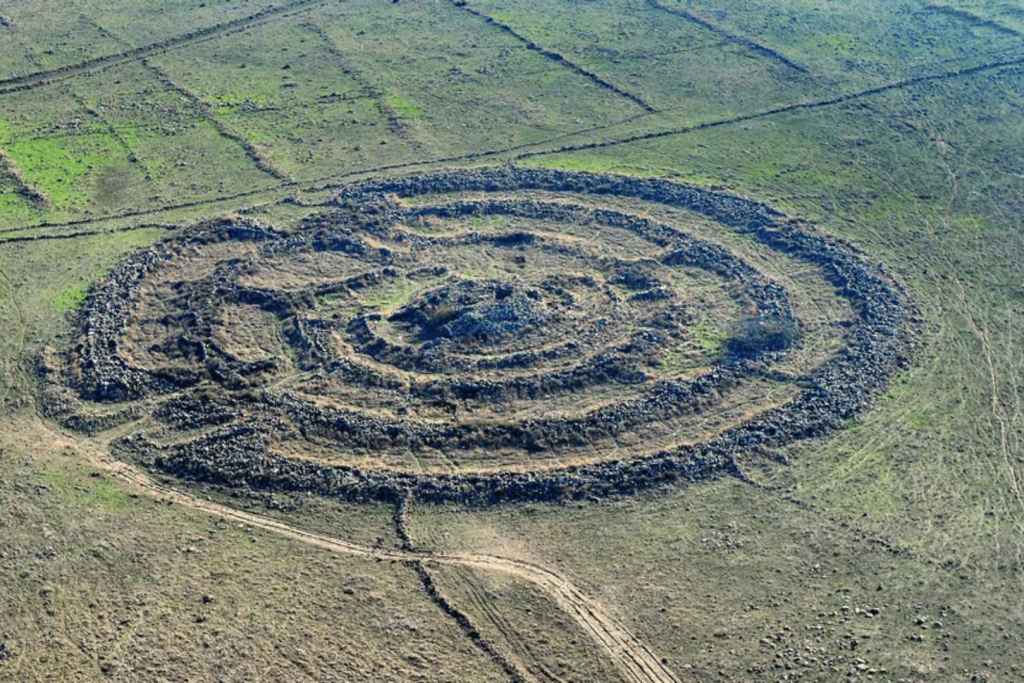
[{"x": 890, "y": 550}]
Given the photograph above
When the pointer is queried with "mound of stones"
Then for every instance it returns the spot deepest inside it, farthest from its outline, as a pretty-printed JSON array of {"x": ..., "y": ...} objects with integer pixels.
[{"x": 559, "y": 320}]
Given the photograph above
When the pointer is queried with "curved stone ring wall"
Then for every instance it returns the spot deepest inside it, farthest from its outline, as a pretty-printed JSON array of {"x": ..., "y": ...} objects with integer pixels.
[{"x": 483, "y": 336}]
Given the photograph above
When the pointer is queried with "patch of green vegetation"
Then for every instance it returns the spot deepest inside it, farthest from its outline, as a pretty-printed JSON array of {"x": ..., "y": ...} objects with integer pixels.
[
  {"x": 475, "y": 86},
  {"x": 680, "y": 360},
  {"x": 230, "y": 102},
  {"x": 70, "y": 299},
  {"x": 640, "y": 53},
  {"x": 582, "y": 163},
  {"x": 710, "y": 338},
  {"x": 483, "y": 271},
  {"x": 392, "y": 295},
  {"x": 839, "y": 42},
  {"x": 58, "y": 166},
  {"x": 403, "y": 107},
  {"x": 88, "y": 492},
  {"x": 883, "y": 181},
  {"x": 856, "y": 42},
  {"x": 60, "y": 282},
  {"x": 926, "y": 179},
  {"x": 15, "y": 208}
]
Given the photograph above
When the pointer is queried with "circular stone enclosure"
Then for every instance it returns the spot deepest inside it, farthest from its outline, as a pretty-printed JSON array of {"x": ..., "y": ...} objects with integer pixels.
[{"x": 483, "y": 336}]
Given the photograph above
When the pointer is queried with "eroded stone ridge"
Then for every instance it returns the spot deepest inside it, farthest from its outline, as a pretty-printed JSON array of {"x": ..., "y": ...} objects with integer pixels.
[{"x": 483, "y": 336}]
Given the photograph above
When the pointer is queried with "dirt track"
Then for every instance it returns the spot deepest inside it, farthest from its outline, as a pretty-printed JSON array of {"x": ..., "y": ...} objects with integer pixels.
[{"x": 634, "y": 659}]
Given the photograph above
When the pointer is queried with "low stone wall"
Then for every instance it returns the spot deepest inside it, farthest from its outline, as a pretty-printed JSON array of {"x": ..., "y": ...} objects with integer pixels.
[{"x": 878, "y": 343}]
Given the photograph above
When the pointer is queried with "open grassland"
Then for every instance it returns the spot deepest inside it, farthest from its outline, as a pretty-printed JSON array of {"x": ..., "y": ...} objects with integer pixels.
[{"x": 895, "y": 546}]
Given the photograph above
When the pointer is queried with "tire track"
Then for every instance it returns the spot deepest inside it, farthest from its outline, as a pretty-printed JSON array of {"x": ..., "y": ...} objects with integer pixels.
[
  {"x": 512, "y": 665},
  {"x": 520, "y": 648},
  {"x": 736, "y": 39},
  {"x": 635, "y": 660},
  {"x": 514, "y": 672},
  {"x": 996, "y": 402},
  {"x": 42, "y": 78},
  {"x": 556, "y": 57}
]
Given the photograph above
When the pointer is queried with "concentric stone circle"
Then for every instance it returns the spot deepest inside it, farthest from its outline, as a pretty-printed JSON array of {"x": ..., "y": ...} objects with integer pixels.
[{"x": 483, "y": 336}]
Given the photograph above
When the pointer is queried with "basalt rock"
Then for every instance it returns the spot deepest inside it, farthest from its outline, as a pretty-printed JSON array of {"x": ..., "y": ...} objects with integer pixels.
[{"x": 339, "y": 358}]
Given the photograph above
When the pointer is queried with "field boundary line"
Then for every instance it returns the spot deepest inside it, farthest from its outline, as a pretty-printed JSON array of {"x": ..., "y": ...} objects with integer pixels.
[
  {"x": 42, "y": 78},
  {"x": 521, "y": 651},
  {"x": 554, "y": 56},
  {"x": 8, "y": 169},
  {"x": 785, "y": 109},
  {"x": 735, "y": 38},
  {"x": 21, "y": 239},
  {"x": 222, "y": 129},
  {"x": 328, "y": 182},
  {"x": 395, "y": 123},
  {"x": 972, "y": 19},
  {"x": 443, "y": 603},
  {"x": 510, "y": 664}
]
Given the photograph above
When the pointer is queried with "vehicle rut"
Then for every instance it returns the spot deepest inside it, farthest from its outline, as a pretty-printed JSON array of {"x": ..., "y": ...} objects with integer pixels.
[{"x": 635, "y": 660}]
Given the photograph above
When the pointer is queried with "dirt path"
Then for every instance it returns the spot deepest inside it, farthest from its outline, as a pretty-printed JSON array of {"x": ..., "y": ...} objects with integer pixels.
[
  {"x": 636, "y": 661},
  {"x": 521, "y": 651}
]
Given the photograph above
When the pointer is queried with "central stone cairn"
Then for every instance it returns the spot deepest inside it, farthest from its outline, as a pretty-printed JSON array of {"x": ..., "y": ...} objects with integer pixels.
[
  {"x": 482, "y": 336},
  {"x": 471, "y": 312}
]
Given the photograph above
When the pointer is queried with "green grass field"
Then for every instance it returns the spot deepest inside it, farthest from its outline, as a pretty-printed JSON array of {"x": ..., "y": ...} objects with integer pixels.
[{"x": 893, "y": 550}]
